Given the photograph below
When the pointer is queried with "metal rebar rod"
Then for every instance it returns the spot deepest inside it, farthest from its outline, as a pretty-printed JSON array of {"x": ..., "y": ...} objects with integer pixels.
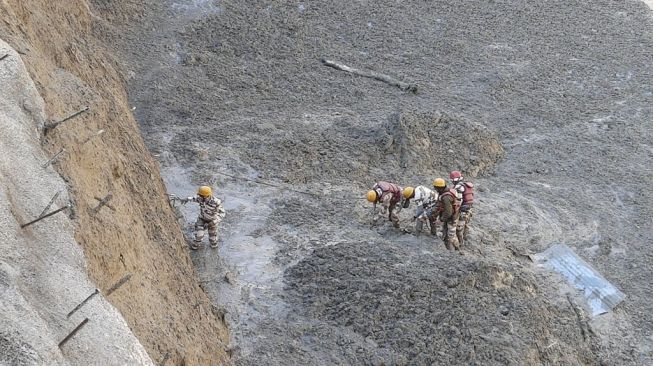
[
  {"x": 103, "y": 202},
  {"x": 165, "y": 359},
  {"x": 50, "y": 203},
  {"x": 118, "y": 284},
  {"x": 72, "y": 334},
  {"x": 79, "y": 306},
  {"x": 44, "y": 216},
  {"x": 55, "y": 124},
  {"x": 53, "y": 158}
]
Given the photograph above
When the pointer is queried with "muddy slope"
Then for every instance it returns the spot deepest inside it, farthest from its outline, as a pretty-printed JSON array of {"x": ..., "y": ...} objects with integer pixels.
[
  {"x": 162, "y": 302},
  {"x": 548, "y": 103}
]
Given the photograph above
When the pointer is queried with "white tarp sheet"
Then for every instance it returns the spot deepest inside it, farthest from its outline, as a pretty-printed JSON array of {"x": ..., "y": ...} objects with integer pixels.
[{"x": 601, "y": 295}]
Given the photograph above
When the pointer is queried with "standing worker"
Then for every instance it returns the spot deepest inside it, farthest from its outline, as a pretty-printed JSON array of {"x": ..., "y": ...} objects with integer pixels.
[
  {"x": 448, "y": 210},
  {"x": 465, "y": 195},
  {"x": 425, "y": 200},
  {"x": 388, "y": 194},
  {"x": 210, "y": 215}
]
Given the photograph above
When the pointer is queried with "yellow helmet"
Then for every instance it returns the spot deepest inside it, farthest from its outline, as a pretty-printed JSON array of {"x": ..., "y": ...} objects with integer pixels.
[
  {"x": 408, "y": 192},
  {"x": 371, "y": 195},
  {"x": 439, "y": 183},
  {"x": 205, "y": 191}
]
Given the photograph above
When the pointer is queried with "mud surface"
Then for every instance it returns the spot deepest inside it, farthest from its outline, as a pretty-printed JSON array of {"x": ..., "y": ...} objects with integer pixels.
[{"x": 547, "y": 104}]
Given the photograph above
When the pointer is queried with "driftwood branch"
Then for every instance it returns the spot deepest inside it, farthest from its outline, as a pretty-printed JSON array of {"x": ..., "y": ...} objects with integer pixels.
[{"x": 372, "y": 75}]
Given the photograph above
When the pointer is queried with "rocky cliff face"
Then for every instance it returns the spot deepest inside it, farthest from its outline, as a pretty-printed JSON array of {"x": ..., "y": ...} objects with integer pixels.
[
  {"x": 135, "y": 234},
  {"x": 42, "y": 268}
]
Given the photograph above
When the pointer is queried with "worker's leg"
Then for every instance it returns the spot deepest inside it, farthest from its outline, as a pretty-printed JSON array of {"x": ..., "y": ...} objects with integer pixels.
[
  {"x": 199, "y": 232},
  {"x": 213, "y": 233},
  {"x": 460, "y": 228}
]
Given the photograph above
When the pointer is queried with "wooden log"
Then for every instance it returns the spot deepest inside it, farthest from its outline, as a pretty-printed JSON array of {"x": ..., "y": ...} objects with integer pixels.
[{"x": 372, "y": 75}]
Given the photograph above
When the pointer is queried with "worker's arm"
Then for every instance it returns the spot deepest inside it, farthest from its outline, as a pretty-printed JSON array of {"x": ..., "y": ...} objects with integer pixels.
[
  {"x": 385, "y": 203},
  {"x": 219, "y": 212},
  {"x": 447, "y": 209},
  {"x": 188, "y": 199}
]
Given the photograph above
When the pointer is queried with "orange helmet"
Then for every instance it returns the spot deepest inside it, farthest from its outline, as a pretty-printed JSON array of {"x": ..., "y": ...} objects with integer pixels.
[
  {"x": 205, "y": 191},
  {"x": 439, "y": 183}
]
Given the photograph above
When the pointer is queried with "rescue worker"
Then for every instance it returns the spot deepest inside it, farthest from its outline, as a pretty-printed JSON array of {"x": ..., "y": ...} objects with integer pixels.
[
  {"x": 425, "y": 200},
  {"x": 388, "y": 194},
  {"x": 448, "y": 209},
  {"x": 210, "y": 215},
  {"x": 465, "y": 195}
]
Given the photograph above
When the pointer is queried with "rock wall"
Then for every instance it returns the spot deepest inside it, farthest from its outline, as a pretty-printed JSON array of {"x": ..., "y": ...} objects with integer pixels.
[
  {"x": 137, "y": 235},
  {"x": 42, "y": 268}
]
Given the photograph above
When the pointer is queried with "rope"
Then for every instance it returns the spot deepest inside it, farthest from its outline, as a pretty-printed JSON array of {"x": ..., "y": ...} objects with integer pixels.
[{"x": 261, "y": 182}]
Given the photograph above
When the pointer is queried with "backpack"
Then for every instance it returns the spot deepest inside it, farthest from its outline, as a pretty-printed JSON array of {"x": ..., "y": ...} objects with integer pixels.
[
  {"x": 454, "y": 201},
  {"x": 468, "y": 195}
]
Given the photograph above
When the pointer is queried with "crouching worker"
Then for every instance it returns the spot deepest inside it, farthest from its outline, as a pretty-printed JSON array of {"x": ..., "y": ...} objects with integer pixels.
[
  {"x": 388, "y": 194},
  {"x": 425, "y": 201},
  {"x": 210, "y": 215}
]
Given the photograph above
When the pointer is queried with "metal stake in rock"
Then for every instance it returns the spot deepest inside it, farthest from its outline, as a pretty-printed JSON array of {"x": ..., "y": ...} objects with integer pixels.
[
  {"x": 45, "y": 216},
  {"x": 55, "y": 124},
  {"x": 104, "y": 202},
  {"x": 72, "y": 334},
  {"x": 118, "y": 284},
  {"x": 79, "y": 306},
  {"x": 165, "y": 359},
  {"x": 52, "y": 159},
  {"x": 50, "y": 203}
]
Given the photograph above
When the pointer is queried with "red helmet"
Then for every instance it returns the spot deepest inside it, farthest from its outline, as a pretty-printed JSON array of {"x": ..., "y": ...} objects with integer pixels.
[{"x": 455, "y": 176}]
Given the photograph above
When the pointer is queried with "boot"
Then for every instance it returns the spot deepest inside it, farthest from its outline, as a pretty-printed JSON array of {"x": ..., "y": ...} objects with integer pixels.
[
  {"x": 447, "y": 245},
  {"x": 214, "y": 244}
]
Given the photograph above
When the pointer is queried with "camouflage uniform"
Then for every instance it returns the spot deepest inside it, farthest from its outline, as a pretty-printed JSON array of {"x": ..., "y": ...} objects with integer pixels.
[
  {"x": 448, "y": 209},
  {"x": 466, "y": 213},
  {"x": 211, "y": 213},
  {"x": 424, "y": 200},
  {"x": 388, "y": 194}
]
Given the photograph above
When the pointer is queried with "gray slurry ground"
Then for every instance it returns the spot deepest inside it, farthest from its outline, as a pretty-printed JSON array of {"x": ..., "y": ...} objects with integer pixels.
[{"x": 548, "y": 104}]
